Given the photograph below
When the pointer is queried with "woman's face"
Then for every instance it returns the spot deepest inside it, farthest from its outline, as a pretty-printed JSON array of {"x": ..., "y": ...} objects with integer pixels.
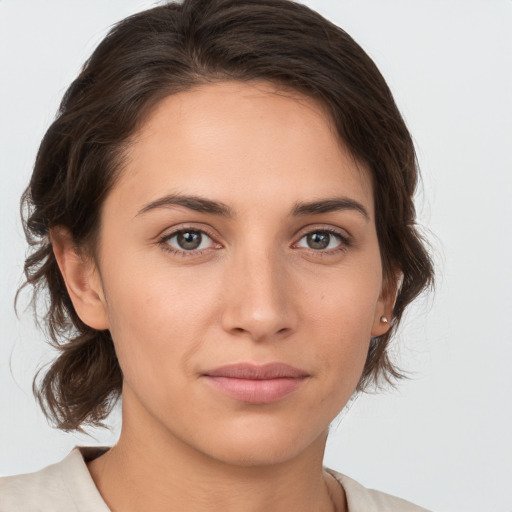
[{"x": 240, "y": 273}]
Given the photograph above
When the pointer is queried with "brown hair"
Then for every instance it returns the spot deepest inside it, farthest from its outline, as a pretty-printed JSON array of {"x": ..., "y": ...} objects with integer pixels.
[{"x": 168, "y": 49}]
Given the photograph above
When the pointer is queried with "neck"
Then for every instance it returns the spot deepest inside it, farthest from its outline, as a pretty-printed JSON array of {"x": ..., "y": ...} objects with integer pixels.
[{"x": 150, "y": 469}]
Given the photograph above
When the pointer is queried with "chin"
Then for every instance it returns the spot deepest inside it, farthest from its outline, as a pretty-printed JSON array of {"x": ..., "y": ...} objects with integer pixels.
[
  {"x": 256, "y": 456},
  {"x": 264, "y": 445}
]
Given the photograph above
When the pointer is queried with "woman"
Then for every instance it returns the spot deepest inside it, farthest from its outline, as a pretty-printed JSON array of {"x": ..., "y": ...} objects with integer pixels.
[{"x": 222, "y": 215}]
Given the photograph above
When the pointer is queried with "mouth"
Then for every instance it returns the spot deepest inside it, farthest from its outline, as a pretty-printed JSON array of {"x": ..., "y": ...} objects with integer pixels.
[{"x": 256, "y": 384}]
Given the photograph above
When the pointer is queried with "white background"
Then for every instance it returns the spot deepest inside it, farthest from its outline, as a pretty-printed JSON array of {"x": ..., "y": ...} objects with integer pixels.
[{"x": 443, "y": 439}]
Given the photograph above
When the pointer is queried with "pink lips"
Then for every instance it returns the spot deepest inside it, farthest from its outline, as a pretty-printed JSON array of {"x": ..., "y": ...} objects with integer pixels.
[{"x": 256, "y": 384}]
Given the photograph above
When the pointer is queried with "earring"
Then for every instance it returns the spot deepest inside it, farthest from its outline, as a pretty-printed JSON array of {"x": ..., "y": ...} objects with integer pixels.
[{"x": 384, "y": 319}]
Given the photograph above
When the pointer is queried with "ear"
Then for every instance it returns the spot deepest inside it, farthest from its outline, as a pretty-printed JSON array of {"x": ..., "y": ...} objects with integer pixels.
[
  {"x": 82, "y": 280},
  {"x": 386, "y": 304}
]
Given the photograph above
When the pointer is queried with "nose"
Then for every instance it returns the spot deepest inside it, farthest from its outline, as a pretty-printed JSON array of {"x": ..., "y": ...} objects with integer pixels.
[{"x": 258, "y": 297}]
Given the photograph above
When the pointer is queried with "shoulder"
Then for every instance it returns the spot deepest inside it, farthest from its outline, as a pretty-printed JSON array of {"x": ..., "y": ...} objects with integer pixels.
[
  {"x": 361, "y": 499},
  {"x": 36, "y": 491},
  {"x": 62, "y": 487}
]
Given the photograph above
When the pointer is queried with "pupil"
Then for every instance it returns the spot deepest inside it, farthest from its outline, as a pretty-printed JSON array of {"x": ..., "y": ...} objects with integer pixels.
[
  {"x": 189, "y": 240},
  {"x": 318, "y": 240}
]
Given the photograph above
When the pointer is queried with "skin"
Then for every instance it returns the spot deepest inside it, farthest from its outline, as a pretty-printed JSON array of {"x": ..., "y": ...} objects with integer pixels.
[{"x": 255, "y": 291}]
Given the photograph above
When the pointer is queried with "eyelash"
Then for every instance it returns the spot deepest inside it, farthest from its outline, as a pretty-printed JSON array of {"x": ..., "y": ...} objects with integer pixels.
[
  {"x": 344, "y": 242},
  {"x": 163, "y": 241}
]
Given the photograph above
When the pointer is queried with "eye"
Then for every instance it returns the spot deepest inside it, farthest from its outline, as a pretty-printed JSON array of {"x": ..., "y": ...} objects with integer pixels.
[
  {"x": 187, "y": 240},
  {"x": 322, "y": 240}
]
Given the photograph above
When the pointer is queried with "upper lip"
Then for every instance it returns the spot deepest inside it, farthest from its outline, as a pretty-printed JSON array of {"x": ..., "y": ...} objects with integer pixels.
[{"x": 253, "y": 371}]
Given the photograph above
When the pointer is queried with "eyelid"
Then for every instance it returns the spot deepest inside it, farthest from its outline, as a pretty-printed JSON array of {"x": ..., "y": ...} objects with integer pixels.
[
  {"x": 329, "y": 228},
  {"x": 345, "y": 237},
  {"x": 169, "y": 233}
]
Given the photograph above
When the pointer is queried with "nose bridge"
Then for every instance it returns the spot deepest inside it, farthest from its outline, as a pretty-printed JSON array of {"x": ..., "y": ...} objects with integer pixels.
[{"x": 258, "y": 295}]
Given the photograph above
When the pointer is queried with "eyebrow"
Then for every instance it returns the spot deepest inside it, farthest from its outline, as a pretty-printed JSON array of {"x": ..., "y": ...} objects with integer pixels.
[
  {"x": 203, "y": 205},
  {"x": 196, "y": 203},
  {"x": 330, "y": 205}
]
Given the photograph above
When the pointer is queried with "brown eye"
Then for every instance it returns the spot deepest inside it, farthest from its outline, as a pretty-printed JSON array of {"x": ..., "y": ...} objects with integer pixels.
[
  {"x": 321, "y": 240},
  {"x": 189, "y": 240},
  {"x": 318, "y": 240}
]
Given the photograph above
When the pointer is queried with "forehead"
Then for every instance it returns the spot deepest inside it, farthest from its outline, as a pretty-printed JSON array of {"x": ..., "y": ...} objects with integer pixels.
[{"x": 233, "y": 140}]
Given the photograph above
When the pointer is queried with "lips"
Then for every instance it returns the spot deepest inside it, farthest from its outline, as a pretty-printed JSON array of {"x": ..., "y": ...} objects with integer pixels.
[{"x": 256, "y": 384}]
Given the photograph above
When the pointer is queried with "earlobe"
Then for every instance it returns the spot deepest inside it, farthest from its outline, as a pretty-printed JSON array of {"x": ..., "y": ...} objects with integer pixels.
[
  {"x": 82, "y": 279},
  {"x": 381, "y": 325},
  {"x": 385, "y": 306}
]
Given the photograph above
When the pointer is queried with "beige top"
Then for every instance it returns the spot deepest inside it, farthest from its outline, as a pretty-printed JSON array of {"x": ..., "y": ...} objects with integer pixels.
[{"x": 68, "y": 487}]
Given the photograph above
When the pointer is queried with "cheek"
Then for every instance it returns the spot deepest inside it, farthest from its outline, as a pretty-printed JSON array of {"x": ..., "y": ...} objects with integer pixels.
[
  {"x": 341, "y": 315},
  {"x": 346, "y": 298},
  {"x": 158, "y": 320}
]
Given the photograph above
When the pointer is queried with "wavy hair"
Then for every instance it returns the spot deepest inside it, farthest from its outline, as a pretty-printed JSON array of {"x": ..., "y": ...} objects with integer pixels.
[{"x": 165, "y": 50}]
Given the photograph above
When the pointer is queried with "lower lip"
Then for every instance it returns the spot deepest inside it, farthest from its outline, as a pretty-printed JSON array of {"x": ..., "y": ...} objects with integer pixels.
[{"x": 256, "y": 391}]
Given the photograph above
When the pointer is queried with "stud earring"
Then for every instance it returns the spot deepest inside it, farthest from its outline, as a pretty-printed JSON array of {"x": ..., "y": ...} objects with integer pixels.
[{"x": 384, "y": 319}]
